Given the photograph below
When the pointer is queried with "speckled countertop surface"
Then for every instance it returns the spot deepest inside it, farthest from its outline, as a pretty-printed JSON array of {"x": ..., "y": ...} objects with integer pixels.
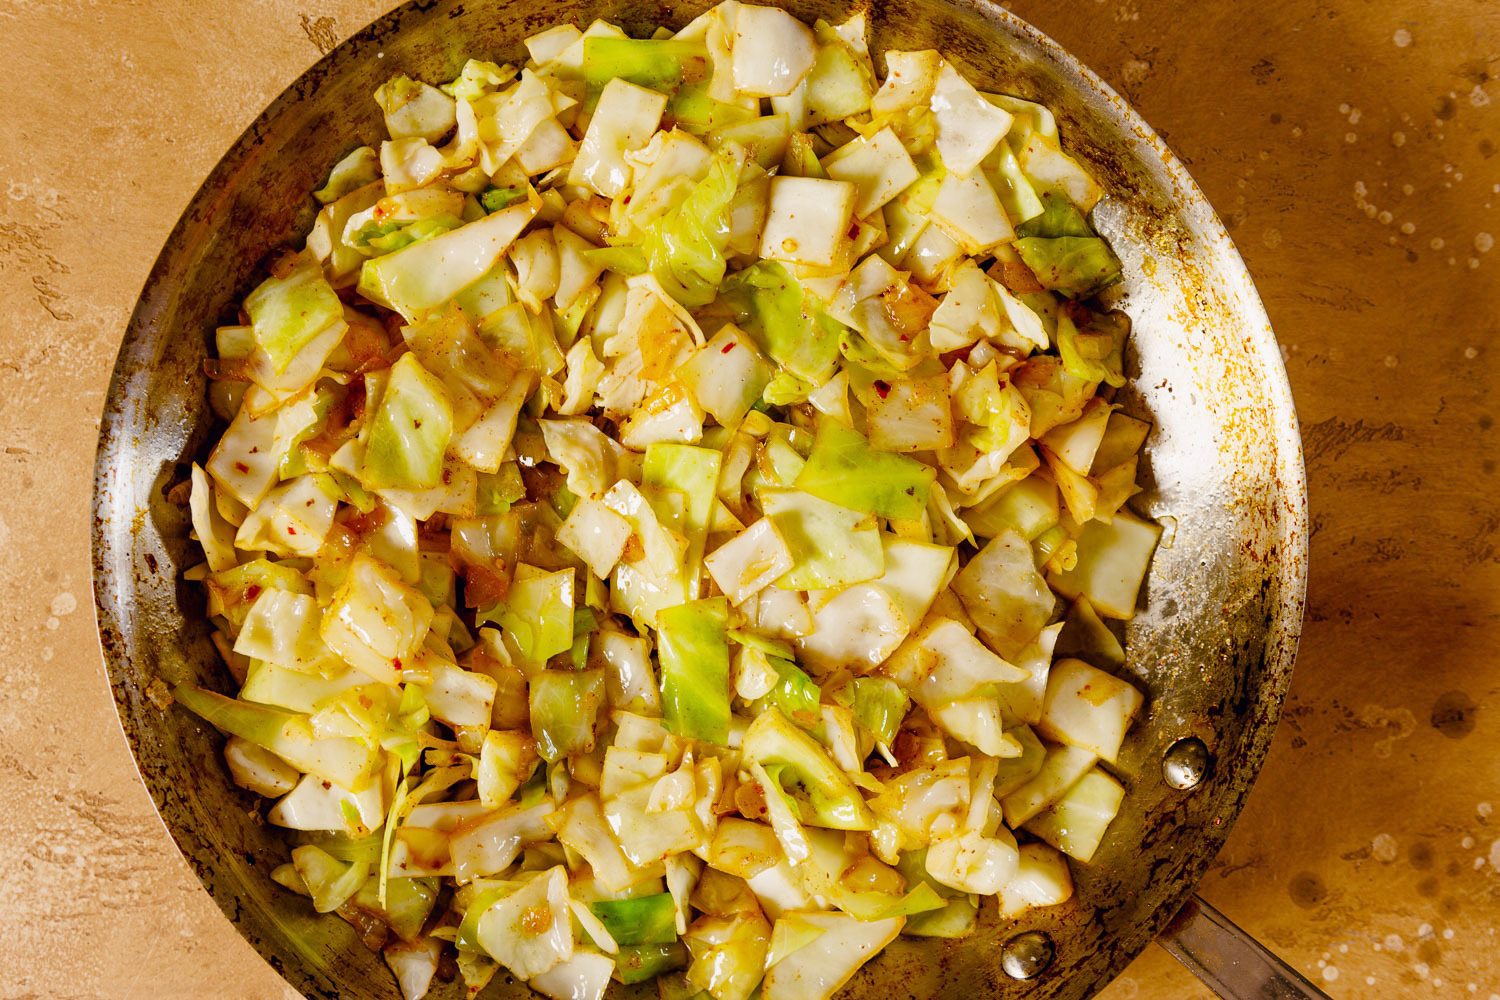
[{"x": 1350, "y": 147}]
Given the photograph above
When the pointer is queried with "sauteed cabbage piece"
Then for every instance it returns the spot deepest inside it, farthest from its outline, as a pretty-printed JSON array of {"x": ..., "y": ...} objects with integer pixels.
[{"x": 640, "y": 523}]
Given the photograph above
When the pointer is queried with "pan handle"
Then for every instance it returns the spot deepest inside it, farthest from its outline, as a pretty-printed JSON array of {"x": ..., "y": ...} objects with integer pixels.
[{"x": 1230, "y": 962}]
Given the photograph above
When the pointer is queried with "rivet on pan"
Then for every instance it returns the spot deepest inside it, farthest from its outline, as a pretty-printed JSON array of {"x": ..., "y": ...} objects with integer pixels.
[
  {"x": 1026, "y": 955},
  {"x": 1186, "y": 763}
]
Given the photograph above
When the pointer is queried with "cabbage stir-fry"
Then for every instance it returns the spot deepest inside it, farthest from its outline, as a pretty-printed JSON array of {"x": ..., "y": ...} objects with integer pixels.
[{"x": 669, "y": 512}]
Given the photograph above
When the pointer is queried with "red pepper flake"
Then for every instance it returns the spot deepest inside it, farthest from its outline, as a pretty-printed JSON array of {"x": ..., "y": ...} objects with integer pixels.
[
  {"x": 291, "y": 530},
  {"x": 241, "y": 467},
  {"x": 396, "y": 662},
  {"x": 727, "y": 348},
  {"x": 882, "y": 389},
  {"x": 252, "y": 592}
]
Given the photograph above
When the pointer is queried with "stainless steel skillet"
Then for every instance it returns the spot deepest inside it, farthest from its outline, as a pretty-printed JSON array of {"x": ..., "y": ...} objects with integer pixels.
[{"x": 1213, "y": 647}]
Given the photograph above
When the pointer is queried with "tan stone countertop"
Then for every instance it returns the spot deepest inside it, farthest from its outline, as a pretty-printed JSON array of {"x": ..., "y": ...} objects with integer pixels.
[{"x": 1350, "y": 146}]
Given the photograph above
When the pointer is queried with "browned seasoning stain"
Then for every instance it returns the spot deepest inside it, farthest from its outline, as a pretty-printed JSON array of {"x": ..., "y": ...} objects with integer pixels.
[
  {"x": 1454, "y": 714},
  {"x": 1307, "y": 890},
  {"x": 536, "y": 920}
]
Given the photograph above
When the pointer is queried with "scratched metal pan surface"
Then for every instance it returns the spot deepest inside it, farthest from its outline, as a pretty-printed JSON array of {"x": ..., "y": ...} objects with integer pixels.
[{"x": 1213, "y": 645}]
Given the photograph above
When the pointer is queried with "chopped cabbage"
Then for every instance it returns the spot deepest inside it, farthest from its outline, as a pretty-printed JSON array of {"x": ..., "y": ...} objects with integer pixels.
[
  {"x": 1088, "y": 708},
  {"x": 1003, "y": 592},
  {"x": 968, "y": 126},
  {"x": 1094, "y": 354},
  {"x": 844, "y": 469},
  {"x": 727, "y": 376},
  {"x": 212, "y": 532},
  {"x": 1029, "y": 508},
  {"x": 410, "y": 430},
  {"x": 1075, "y": 823},
  {"x": 582, "y": 828},
  {"x": 807, "y": 220},
  {"x": 817, "y": 970},
  {"x": 358, "y": 168},
  {"x": 909, "y": 81},
  {"x": 317, "y": 805},
  {"x": 344, "y": 762},
  {"x": 858, "y": 628},
  {"x": 1013, "y": 772},
  {"x": 751, "y": 561},
  {"x": 413, "y": 108},
  {"x": 1049, "y": 167},
  {"x": 773, "y": 309},
  {"x": 1061, "y": 769},
  {"x": 459, "y": 698},
  {"x": 490, "y": 843},
  {"x": 585, "y": 976},
  {"x": 879, "y": 167},
  {"x": 564, "y": 709},
  {"x": 772, "y": 51},
  {"x": 656, "y": 63},
  {"x": 685, "y": 249},
  {"x": 597, "y": 534},
  {"x": 283, "y": 628},
  {"x": 743, "y": 848},
  {"x": 842, "y": 79},
  {"x": 584, "y": 452},
  {"x": 911, "y": 414},
  {"x": 1075, "y": 266},
  {"x": 288, "y": 313},
  {"x": 623, "y": 121},
  {"x": 640, "y": 508},
  {"x": 257, "y": 769},
  {"x": 971, "y": 862},
  {"x": 890, "y": 312},
  {"x": 831, "y": 799},
  {"x": 328, "y": 880},
  {"x": 832, "y": 546},
  {"x": 729, "y": 954},
  {"x": 506, "y": 760},
  {"x": 639, "y": 919},
  {"x": 1041, "y": 879},
  {"x": 628, "y": 676},
  {"x": 693, "y": 474},
  {"x": 1112, "y": 562},
  {"x": 529, "y": 931},
  {"x": 414, "y": 965},
  {"x": 643, "y": 962},
  {"x": 1086, "y": 637},
  {"x": 267, "y": 684},
  {"x": 427, "y": 274},
  {"x": 376, "y": 620},
  {"x": 968, "y": 208},
  {"x": 880, "y": 706},
  {"x": 694, "y": 654}
]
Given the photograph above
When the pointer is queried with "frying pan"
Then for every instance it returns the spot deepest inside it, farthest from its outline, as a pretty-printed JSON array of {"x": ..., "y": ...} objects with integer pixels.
[{"x": 1222, "y": 609}]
